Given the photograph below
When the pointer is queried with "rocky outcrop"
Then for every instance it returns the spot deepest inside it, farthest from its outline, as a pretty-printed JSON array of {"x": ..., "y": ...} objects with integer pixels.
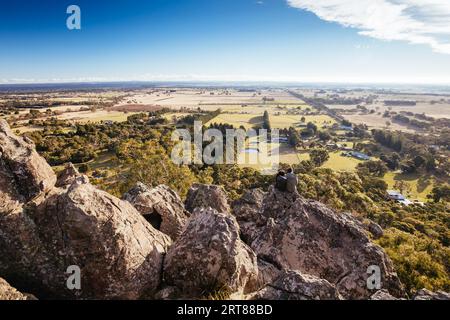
[
  {"x": 120, "y": 255},
  {"x": 68, "y": 176},
  {"x": 382, "y": 295},
  {"x": 375, "y": 229},
  {"x": 309, "y": 237},
  {"x": 24, "y": 176},
  {"x": 293, "y": 285},
  {"x": 9, "y": 293},
  {"x": 207, "y": 196},
  {"x": 209, "y": 255},
  {"x": 45, "y": 229},
  {"x": 426, "y": 294},
  {"x": 298, "y": 249},
  {"x": 247, "y": 211},
  {"x": 23, "y": 173},
  {"x": 161, "y": 206}
]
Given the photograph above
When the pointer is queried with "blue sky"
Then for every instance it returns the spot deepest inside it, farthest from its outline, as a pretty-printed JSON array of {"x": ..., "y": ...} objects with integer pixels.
[{"x": 268, "y": 40}]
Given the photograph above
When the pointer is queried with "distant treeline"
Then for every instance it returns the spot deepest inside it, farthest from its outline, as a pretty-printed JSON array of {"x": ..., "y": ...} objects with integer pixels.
[
  {"x": 43, "y": 104},
  {"x": 399, "y": 103}
]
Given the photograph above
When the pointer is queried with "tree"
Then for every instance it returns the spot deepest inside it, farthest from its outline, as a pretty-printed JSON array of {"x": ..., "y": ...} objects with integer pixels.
[
  {"x": 419, "y": 161},
  {"x": 346, "y": 123},
  {"x": 35, "y": 113},
  {"x": 408, "y": 166},
  {"x": 312, "y": 127},
  {"x": 441, "y": 192},
  {"x": 294, "y": 137},
  {"x": 375, "y": 168},
  {"x": 324, "y": 136},
  {"x": 266, "y": 121},
  {"x": 402, "y": 186},
  {"x": 319, "y": 156},
  {"x": 392, "y": 160}
]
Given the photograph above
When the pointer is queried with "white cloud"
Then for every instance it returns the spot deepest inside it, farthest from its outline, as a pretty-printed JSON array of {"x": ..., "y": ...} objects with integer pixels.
[{"x": 415, "y": 21}]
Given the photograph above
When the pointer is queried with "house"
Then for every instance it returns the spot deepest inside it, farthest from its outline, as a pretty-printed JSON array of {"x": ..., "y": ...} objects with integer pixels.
[
  {"x": 397, "y": 196},
  {"x": 333, "y": 146},
  {"x": 357, "y": 155},
  {"x": 281, "y": 139},
  {"x": 346, "y": 128}
]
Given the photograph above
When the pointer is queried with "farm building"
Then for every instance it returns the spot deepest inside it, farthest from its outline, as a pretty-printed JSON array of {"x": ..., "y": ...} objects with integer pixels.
[
  {"x": 280, "y": 140},
  {"x": 357, "y": 155},
  {"x": 397, "y": 196},
  {"x": 346, "y": 128}
]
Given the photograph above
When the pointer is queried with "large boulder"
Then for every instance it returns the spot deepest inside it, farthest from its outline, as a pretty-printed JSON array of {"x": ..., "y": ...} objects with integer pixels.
[
  {"x": 382, "y": 295},
  {"x": 68, "y": 176},
  {"x": 248, "y": 212},
  {"x": 23, "y": 173},
  {"x": 9, "y": 293},
  {"x": 207, "y": 196},
  {"x": 119, "y": 254},
  {"x": 313, "y": 239},
  {"x": 293, "y": 285},
  {"x": 161, "y": 206},
  {"x": 209, "y": 256},
  {"x": 267, "y": 273}
]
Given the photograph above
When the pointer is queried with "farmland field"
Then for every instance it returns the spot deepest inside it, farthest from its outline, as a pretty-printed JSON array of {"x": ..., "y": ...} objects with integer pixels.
[
  {"x": 208, "y": 98},
  {"x": 419, "y": 186},
  {"x": 278, "y": 121},
  {"x": 96, "y": 116},
  {"x": 340, "y": 163}
]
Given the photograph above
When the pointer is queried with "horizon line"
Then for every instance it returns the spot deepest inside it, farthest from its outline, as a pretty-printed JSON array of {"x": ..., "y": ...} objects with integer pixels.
[{"x": 220, "y": 81}]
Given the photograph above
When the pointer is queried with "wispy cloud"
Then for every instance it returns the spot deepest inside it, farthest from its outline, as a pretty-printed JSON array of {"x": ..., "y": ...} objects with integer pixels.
[{"x": 415, "y": 21}]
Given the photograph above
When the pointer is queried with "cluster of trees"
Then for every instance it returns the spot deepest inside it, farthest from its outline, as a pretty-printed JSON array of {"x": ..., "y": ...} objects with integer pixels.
[
  {"x": 204, "y": 117},
  {"x": 319, "y": 156},
  {"x": 411, "y": 153},
  {"x": 393, "y": 140},
  {"x": 374, "y": 168},
  {"x": 413, "y": 122},
  {"x": 30, "y": 103},
  {"x": 294, "y": 138}
]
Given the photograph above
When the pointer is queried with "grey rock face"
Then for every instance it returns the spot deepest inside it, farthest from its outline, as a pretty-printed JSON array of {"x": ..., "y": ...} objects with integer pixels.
[
  {"x": 207, "y": 196},
  {"x": 120, "y": 255},
  {"x": 382, "y": 295},
  {"x": 209, "y": 255},
  {"x": 68, "y": 176},
  {"x": 309, "y": 237},
  {"x": 293, "y": 285},
  {"x": 161, "y": 206},
  {"x": 425, "y": 294},
  {"x": 248, "y": 212},
  {"x": 45, "y": 229}
]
